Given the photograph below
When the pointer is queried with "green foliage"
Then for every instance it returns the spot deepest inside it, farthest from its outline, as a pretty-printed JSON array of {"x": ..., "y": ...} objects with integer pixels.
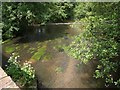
[
  {"x": 24, "y": 74},
  {"x": 81, "y": 49},
  {"x": 13, "y": 15},
  {"x": 28, "y": 73},
  {"x": 100, "y": 40},
  {"x": 17, "y": 15},
  {"x": 117, "y": 83},
  {"x": 82, "y": 10}
]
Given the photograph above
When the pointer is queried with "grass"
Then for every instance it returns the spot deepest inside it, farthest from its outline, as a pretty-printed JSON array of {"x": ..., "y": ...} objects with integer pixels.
[
  {"x": 9, "y": 49},
  {"x": 39, "y": 53}
]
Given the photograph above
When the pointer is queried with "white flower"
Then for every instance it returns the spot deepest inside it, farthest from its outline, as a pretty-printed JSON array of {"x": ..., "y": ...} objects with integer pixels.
[
  {"x": 13, "y": 53},
  {"x": 15, "y": 58}
]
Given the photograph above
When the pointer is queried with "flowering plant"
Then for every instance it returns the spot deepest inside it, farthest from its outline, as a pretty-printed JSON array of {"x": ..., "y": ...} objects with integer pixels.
[{"x": 24, "y": 74}]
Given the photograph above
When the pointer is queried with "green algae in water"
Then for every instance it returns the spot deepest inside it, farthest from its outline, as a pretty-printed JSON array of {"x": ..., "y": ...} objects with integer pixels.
[
  {"x": 25, "y": 45},
  {"x": 7, "y": 41},
  {"x": 47, "y": 57},
  {"x": 38, "y": 43},
  {"x": 39, "y": 53},
  {"x": 31, "y": 50},
  {"x": 9, "y": 49},
  {"x": 59, "y": 48},
  {"x": 59, "y": 69},
  {"x": 17, "y": 47}
]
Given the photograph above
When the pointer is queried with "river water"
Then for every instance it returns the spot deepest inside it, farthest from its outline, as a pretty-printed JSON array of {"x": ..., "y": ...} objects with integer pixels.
[{"x": 54, "y": 69}]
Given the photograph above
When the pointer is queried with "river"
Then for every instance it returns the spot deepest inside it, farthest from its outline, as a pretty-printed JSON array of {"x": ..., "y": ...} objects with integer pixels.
[{"x": 54, "y": 68}]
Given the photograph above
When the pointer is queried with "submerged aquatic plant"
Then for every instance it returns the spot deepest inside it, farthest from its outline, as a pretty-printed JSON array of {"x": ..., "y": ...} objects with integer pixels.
[
  {"x": 59, "y": 69},
  {"x": 9, "y": 49},
  {"x": 39, "y": 53},
  {"x": 59, "y": 48},
  {"x": 47, "y": 57}
]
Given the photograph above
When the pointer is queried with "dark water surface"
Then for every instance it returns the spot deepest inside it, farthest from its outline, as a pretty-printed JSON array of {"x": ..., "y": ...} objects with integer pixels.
[{"x": 55, "y": 69}]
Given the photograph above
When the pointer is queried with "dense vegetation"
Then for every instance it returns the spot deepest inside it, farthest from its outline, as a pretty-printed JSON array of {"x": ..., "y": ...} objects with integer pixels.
[
  {"x": 100, "y": 39},
  {"x": 17, "y": 16},
  {"x": 24, "y": 74}
]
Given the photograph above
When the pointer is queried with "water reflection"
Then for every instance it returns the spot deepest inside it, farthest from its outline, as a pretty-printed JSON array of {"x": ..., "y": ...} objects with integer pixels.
[{"x": 43, "y": 33}]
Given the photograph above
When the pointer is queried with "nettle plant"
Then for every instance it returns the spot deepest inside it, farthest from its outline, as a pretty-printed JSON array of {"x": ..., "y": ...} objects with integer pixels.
[{"x": 24, "y": 74}]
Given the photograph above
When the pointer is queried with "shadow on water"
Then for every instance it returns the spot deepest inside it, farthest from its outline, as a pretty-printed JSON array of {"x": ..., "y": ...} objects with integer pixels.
[
  {"x": 4, "y": 61},
  {"x": 43, "y": 33}
]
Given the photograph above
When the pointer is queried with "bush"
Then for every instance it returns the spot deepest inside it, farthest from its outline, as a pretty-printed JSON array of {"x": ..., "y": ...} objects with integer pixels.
[
  {"x": 24, "y": 74},
  {"x": 99, "y": 41}
]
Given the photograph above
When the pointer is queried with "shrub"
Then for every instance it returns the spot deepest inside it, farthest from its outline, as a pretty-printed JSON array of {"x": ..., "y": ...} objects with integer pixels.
[
  {"x": 100, "y": 41},
  {"x": 24, "y": 74}
]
